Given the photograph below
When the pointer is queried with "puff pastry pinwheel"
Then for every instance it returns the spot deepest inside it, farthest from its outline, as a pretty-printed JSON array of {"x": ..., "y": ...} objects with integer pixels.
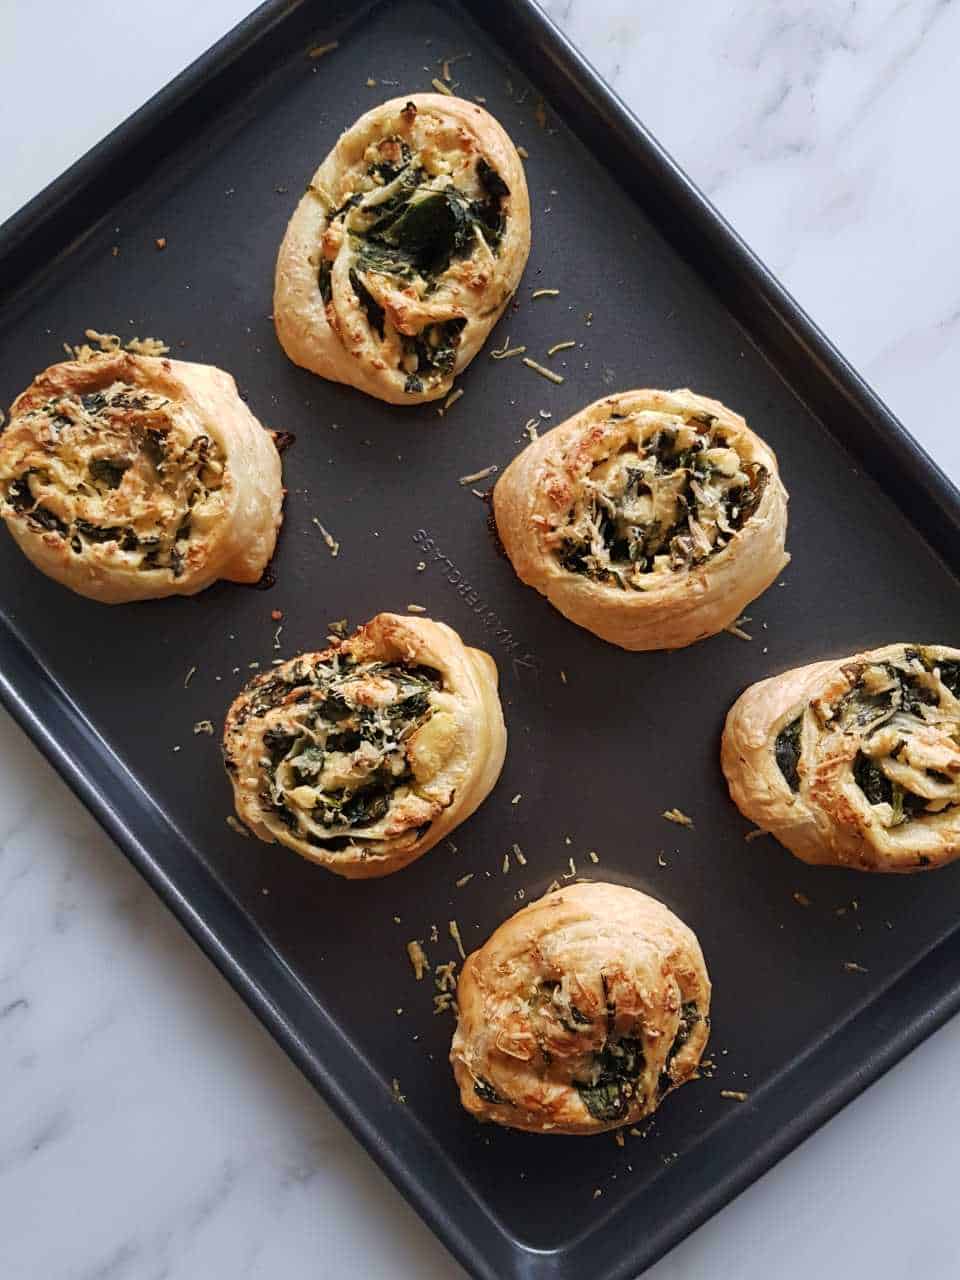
[
  {"x": 128, "y": 477},
  {"x": 854, "y": 762},
  {"x": 580, "y": 1013},
  {"x": 406, "y": 247},
  {"x": 363, "y": 756},
  {"x": 650, "y": 517}
]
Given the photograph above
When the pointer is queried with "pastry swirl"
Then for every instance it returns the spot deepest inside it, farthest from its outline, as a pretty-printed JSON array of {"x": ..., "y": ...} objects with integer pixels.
[
  {"x": 364, "y": 756},
  {"x": 854, "y": 762},
  {"x": 651, "y": 518},
  {"x": 580, "y": 1013},
  {"x": 127, "y": 477},
  {"x": 406, "y": 247}
]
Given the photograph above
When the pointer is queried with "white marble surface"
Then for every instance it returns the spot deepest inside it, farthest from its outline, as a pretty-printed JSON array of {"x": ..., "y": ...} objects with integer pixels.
[{"x": 149, "y": 1129}]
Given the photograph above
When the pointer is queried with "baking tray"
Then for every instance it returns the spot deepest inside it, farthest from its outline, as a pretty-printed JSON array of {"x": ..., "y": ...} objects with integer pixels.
[{"x": 215, "y": 164}]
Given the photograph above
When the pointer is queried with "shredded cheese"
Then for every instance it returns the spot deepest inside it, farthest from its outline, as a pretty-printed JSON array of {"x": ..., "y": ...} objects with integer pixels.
[
  {"x": 479, "y": 475},
  {"x": 455, "y": 935},
  {"x": 544, "y": 373},
  {"x": 677, "y": 816},
  {"x": 418, "y": 958},
  {"x": 328, "y": 538}
]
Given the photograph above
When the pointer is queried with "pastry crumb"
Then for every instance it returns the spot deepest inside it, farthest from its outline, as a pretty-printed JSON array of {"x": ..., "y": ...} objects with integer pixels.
[
  {"x": 203, "y": 726},
  {"x": 801, "y": 899}
]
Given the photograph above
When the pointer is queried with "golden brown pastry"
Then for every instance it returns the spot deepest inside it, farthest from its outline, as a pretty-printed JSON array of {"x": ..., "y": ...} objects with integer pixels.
[
  {"x": 406, "y": 247},
  {"x": 128, "y": 477},
  {"x": 855, "y": 761},
  {"x": 364, "y": 756},
  {"x": 650, "y": 517},
  {"x": 580, "y": 1013}
]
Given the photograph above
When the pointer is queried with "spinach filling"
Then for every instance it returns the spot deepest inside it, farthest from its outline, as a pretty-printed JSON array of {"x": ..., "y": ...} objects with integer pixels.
[
  {"x": 131, "y": 425},
  {"x": 485, "y": 1090},
  {"x": 616, "y": 1074},
  {"x": 912, "y": 773},
  {"x": 668, "y": 503},
  {"x": 689, "y": 1017},
  {"x": 335, "y": 768},
  {"x": 787, "y": 752},
  {"x": 413, "y": 236},
  {"x": 435, "y": 349}
]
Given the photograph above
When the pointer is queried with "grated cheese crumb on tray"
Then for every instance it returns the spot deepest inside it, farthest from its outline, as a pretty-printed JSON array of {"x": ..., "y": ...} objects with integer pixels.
[
  {"x": 455, "y": 935},
  {"x": 418, "y": 958},
  {"x": 677, "y": 816}
]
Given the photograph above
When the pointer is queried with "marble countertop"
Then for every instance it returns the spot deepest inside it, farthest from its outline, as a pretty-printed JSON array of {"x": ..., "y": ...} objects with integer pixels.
[{"x": 149, "y": 1128}]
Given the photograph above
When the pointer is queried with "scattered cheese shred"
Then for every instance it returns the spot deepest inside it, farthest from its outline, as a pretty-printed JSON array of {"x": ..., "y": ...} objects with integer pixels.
[
  {"x": 328, "y": 538},
  {"x": 540, "y": 114},
  {"x": 455, "y": 935},
  {"x": 734, "y": 1095},
  {"x": 519, "y": 855},
  {"x": 190, "y": 674},
  {"x": 755, "y": 834},
  {"x": 545, "y": 293},
  {"x": 395, "y": 1088},
  {"x": 506, "y": 863},
  {"x": 479, "y": 475},
  {"x": 450, "y": 401},
  {"x": 444, "y": 979},
  {"x": 441, "y": 87},
  {"x": 677, "y": 816},
  {"x": 593, "y": 855},
  {"x": 851, "y": 966},
  {"x": 517, "y": 798},
  {"x": 560, "y": 346},
  {"x": 418, "y": 958},
  {"x": 568, "y": 875},
  {"x": 506, "y": 351},
  {"x": 237, "y": 826},
  {"x": 544, "y": 373},
  {"x": 530, "y": 427},
  {"x": 736, "y": 628},
  {"x": 464, "y": 879},
  {"x": 415, "y": 608},
  {"x": 801, "y": 899},
  {"x": 203, "y": 726},
  {"x": 523, "y": 153},
  {"x": 319, "y": 50}
]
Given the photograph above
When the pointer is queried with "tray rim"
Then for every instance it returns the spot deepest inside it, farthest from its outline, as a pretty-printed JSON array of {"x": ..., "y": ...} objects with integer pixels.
[{"x": 871, "y": 1042}]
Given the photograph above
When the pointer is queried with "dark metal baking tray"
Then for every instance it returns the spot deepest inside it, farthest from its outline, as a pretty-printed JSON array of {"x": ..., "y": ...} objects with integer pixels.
[{"x": 215, "y": 164}]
